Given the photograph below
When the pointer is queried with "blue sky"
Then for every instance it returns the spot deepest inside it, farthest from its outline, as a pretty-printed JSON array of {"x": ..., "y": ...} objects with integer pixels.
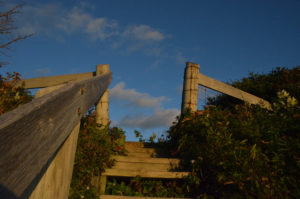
[{"x": 147, "y": 44}]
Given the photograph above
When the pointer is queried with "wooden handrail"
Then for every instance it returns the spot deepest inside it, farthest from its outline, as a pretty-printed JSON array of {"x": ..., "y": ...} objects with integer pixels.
[
  {"x": 42, "y": 82},
  {"x": 192, "y": 78},
  {"x": 31, "y": 135},
  {"x": 230, "y": 90}
]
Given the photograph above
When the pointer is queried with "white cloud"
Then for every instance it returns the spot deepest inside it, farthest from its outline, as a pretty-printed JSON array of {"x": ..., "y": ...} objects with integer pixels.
[
  {"x": 140, "y": 37},
  {"x": 96, "y": 27},
  {"x": 180, "y": 58},
  {"x": 135, "y": 98},
  {"x": 52, "y": 18},
  {"x": 40, "y": 19},
  {"x": 143, "y": 33},
  {"x": 160, "y": 118}
]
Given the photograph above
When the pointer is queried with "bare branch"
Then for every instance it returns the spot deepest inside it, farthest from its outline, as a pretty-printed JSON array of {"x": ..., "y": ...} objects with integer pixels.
[
  {"x": 6, "y": 29},
  {"x": 6, "y": 45}
]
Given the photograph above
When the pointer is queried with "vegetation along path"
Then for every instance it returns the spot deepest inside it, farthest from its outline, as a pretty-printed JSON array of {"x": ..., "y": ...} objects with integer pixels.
[{"x": 144, "y": 160}]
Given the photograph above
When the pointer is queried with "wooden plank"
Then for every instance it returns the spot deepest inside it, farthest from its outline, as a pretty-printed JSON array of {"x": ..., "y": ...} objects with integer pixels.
[
  {"x": 142, "y": 166},
  {"x": 132, "y": 197},
  {"x": 140, "y": 150},
  {"x": 134, "y": 144},
  {"x": 144, "y": 173},
  {"x": 142, "y": 155},
  {"x": 56, "y": 181},
  {"x": 147, "y": 160},
  {"x": 230, "y": 90},
  {"x": 31, "y": 135},
  {"x": 45, "y": 91},
  {"x": 42, "y": 82}
]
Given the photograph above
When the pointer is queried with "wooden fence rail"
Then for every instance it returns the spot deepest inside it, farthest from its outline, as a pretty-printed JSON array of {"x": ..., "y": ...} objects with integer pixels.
[
  {"x": 33, "y": 135},
  {"x": 192, "y": 78},
  {"x": 42, "y": 82}
]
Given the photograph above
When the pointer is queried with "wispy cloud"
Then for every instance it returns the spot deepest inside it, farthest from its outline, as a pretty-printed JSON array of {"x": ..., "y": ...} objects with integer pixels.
[
  {"x": 160, "y": 118},
  {"x": 77, "y": 20},
  {"x": 60, "y": 22},
  {"x": 40, "y": 19},
  {"x": 53, "y": 19},
  {"x": 143, "y": 33},
  {"x": 135, "y": 98},
  {"x": 180, "y": 58}
]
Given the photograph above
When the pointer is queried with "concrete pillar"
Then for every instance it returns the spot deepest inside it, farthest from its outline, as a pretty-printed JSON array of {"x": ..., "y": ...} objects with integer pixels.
[
  {"x": 102, "y": 112},
  {"x": 190, "y": 87}
]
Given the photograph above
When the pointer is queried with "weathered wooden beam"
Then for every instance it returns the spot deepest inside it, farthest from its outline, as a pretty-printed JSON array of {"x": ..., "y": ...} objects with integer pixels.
[
  {"x": 145, "y": 173},
  {"x": 56, "y": 181},
  {"x": 42, "y": 82},
  {"x": 230, "y": 90},
  {"x": 31, "y": 135},
  {"x": 102, "y": 107},
  {"x": 190, "y": 87}
]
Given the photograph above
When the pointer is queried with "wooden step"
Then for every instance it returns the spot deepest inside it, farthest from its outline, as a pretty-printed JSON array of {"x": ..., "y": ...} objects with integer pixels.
[
  {"x": 136, "y": 149},
  {"x": 142, "y": 166},
  {"x": 151, "y": 164},
  {"x": 141, "y": 145},
  {"x": 132, "y": 197},
  {"x": 171, "y": 161},
  {"x": 141, "y": 155},
  {"x": 134, "y": 144},
  {"x": 140, "y": 150},
  {"x": 144, "y": 173}
]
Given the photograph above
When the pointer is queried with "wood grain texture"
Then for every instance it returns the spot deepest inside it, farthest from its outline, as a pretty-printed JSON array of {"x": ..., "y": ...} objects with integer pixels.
[
  {"x": 170, "y": 161},
  {"x": 145, "y": 173},
  {"x": 230, "y": 90},
  {"x": 56, "y": 181},
  {"x": 190, "y": 87},
  {"x": 31, "y": 134},
  {"x": 42, "y": 82},
  {"x": 142, "y": 166}
]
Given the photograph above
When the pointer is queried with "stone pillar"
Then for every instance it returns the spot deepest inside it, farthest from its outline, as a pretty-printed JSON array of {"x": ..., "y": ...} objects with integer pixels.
[
  {"x": 190, "y": 87},
  {"x": 102, "y": 113}
]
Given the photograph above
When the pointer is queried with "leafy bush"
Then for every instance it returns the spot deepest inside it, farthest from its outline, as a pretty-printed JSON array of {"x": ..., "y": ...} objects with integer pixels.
[
  {"x": 264, "y": 86},
  {"x": 248, "y": 152},
  {"x": 145, "y": 187},
  {"x": 95, "y": 146},
  {"x": 10, "y": 96}
]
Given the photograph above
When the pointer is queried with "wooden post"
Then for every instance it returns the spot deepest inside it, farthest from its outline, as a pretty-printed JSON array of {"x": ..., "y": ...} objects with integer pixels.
[
  {"x": 190, "y": 87},
  {"x": 102, "y": 112},
  {"x": 102, "y": 117}
]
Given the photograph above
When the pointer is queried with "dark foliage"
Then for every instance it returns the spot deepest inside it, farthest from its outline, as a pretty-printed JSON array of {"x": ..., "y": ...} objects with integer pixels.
[
  {"x": 264, "y": 86},
  {"x": 95, "y": 146},
  {"x": 10, "y": 96},
  {"x": 145, "y": 187},
  {"x": 246, "y": 153}
]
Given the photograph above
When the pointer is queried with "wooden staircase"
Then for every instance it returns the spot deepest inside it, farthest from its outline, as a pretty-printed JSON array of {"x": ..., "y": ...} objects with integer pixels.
[{"x": 146, "y": 161}]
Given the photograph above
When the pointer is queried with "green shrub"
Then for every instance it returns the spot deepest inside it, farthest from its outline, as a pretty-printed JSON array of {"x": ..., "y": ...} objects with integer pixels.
[
  {"x": 264, "y": 86},
  {"x": 10, "y": 96},
  {"x": 145, "y": 187},
  {"x": 247, "y": 152},
  {"x": 95, "y": 146}
]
